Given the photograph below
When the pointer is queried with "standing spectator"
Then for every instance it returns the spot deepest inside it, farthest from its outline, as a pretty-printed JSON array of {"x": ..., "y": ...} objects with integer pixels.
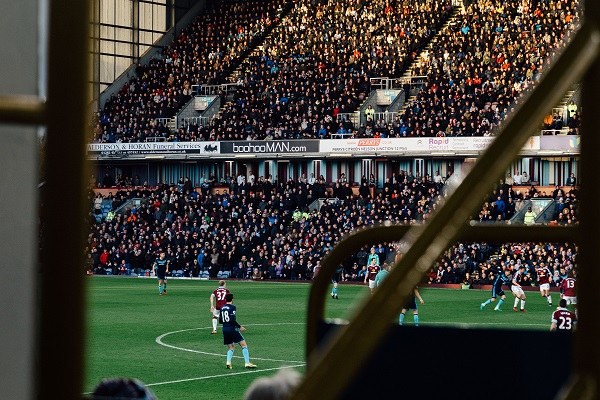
[
  {"x": 369, "y": 113},
  {"x": 530, "y": 216}
]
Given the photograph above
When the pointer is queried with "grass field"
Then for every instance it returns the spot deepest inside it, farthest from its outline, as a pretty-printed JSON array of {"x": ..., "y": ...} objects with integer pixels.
[{"x": 165, "y": 341}]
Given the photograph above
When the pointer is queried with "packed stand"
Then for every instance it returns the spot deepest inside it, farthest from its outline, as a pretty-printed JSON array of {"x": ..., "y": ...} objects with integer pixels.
[
  {"x": 265, "y": 230},
  {"x": 204, "y": 53},
  {"x": 472, "y": 264},
  {"x": 258, "y": 225},
  {"x": 504, "y": 201},
  {"x": 478, "y": 68},
  {"x": 317, "y": 63}
]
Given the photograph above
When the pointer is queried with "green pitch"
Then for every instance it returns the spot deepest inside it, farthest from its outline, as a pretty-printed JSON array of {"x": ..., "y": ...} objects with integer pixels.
[{"x": 165, "y": 341}]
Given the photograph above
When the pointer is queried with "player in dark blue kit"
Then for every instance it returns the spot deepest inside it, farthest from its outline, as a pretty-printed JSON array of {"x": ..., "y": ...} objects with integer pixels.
[
  {"x": 161, "y": 267},
  {"x": 411, "y": 304},
  {"x": 231, "y": 332},
  {"x": 502, "y": 278}
]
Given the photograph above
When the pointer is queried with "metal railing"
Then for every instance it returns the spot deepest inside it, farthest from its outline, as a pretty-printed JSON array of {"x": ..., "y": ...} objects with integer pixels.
[
  {"x": 386, "y": 116},
  {"x": 353, "y": 117},
  {"x": 199, "y": 121},
  {"x": 208, "y": 90},
  {"x": 386, "y": 83},
  {"x": 156, "y": 139},
  {"x": 163, "y": 121}
]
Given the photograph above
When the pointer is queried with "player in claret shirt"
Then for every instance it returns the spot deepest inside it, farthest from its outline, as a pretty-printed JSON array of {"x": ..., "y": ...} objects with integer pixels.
[
  {"x": 217, "y": 301},
  {"x": 568, "y": 289},
  {"x": 563, "y": 319},
  {"x": 517, "y": 289},
  {"x": 372, "y": 271},
  {"x": 231, "y": 332},
  {"x": 543, "y": 277}
]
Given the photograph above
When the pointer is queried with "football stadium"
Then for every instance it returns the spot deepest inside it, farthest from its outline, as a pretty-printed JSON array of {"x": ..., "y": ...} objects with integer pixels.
[{"x": 276, "y": 199}]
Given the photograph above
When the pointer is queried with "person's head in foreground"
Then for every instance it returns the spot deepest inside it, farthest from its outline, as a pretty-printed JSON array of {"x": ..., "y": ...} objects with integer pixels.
[{"x": 276, "y": 387}]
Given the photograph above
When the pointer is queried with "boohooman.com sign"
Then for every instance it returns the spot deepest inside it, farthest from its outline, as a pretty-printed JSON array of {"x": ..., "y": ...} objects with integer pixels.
[{"x": 270, "y": 147}]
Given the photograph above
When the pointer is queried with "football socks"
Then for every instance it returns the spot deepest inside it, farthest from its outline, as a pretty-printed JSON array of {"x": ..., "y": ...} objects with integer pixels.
[
  {"x": 500, "y": 302},
  {"x": 246, "y": 354}
]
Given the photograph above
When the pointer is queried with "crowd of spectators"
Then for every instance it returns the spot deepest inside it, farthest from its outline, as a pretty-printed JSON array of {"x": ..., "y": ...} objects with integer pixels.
[
  {"x": 479, "y": 263},
  {"x": 265, "y": 230},
  {"x": 504, "y": 202},
  {"x": 268, "y": 227},
  {"x": 206, "y": 52},
  {"x": 478, "y": 68},
  {"x": 317, "y": 64}
]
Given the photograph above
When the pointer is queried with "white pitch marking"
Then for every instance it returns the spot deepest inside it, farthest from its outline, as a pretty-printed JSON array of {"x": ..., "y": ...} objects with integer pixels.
[
  {"x": 254, "y": 371},
  {"x": 160, "y": 342}
]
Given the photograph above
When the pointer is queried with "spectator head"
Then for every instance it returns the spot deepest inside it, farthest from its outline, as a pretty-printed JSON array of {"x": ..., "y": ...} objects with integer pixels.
[
  {"x": 122, "y": 388},
  {"x": 277, "y": 387}
]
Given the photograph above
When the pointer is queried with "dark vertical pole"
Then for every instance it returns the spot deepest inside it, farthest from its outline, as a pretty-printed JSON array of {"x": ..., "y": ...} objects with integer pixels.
[
  {"x": 95, "y": 23},
  {"x": 587, "y": 350},
  {"x": 135, "y": 31},
  {"x": 62, "y": 301}
]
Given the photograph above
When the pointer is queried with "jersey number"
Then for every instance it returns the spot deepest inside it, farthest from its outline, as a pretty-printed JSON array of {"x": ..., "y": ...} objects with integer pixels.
[
  {"x": 225, "y": 316},
  {"x": 565, "y": 323},
  {"x": 221, "y": 295},
  {"x": 570, "y": 284}
]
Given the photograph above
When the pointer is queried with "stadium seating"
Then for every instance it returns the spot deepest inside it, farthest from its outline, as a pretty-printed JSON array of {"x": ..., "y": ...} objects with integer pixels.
[
  {"x": 317, "y": 64},
  {"x": 478, "y": 68},
  {"x": 271, "y": 228},
  {"x": 204, "y": 53},
  {"x": 299, "y": 80}
]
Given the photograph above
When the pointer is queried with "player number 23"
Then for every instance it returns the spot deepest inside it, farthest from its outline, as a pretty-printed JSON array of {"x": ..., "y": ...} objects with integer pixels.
[{"x": 565, "y": 323}]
